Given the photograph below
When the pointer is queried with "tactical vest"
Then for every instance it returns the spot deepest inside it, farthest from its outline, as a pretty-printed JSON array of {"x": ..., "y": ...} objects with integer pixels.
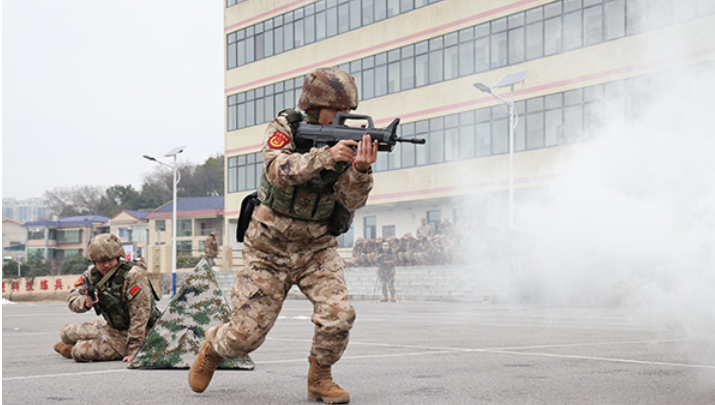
[
  {"x": 112, "y": 298},
  {"x": 313, "y": 200}
]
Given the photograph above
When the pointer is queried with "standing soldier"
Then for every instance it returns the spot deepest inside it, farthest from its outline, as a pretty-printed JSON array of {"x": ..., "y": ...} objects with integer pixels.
[
  {"x": 211, "y": 248},
  {"x": 124, "y": 297},
  {"x": 386, "y": 271},
  {"x": 446, "y": 227},
  {"x": 425, "y": 230},
  {"x": 289, "y": 240}
]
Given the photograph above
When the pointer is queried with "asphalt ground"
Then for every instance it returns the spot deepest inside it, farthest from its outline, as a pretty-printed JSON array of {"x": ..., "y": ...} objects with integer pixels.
[{"x": 400, "y": 353}]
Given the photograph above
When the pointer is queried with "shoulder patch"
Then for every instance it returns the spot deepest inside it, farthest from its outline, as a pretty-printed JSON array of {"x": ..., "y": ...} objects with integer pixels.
[
  {"x": 278, "y": 140},
  {"x": 79, "y": 281},
  {"x": 134, "y": 290}
]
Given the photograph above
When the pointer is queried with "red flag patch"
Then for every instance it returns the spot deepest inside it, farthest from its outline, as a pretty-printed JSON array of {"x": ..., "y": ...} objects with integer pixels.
[
  {"x": 79, "y": 281},
  {"x": 134, "y": 290},
  {"x": 278, "y": 140}
]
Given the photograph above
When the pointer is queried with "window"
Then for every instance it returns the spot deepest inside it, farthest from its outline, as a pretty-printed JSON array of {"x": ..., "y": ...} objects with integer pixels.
[
  {"x": 160, "y": 225},
  {"x": 310, "y": 23},
  {"x": 244, "y": 172},
  {"x": 388, "y": 231},
  {"x": 67, "y": 253},
  {"x": 35, "y": 253},
  {"x": 68, "y": 236},
  {"x": 370, "y": 227},
  {"x": 124, "y": 232},
  {"x": 434, "y": 218},
  {"x": 184, "y": 227},
  {"x": 183, "y": 247},
  {"x": 36, "y": 233}
]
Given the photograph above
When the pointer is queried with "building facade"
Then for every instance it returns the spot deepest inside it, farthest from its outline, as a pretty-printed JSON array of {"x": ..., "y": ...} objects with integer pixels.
[
  {"x": 196, "y": 218},
  {"x": 591, "y": 63},
  {"x": 63, "y": 237},
  {"x": 27, "y": 210},
  {"x": 14, "y": 238},
  {"x": 132, "y": 228}
]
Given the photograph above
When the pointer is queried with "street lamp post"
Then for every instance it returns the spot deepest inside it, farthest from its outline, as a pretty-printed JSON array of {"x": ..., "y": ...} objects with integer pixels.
[
  {"x": 177, "y": 178},
  {"x": 509, "y": 80}
]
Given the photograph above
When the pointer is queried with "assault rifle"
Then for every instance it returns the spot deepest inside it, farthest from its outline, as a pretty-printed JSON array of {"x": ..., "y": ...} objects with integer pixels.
[
  {"x": 92, "y": 291},
  {"x": 321, "y": 135}
]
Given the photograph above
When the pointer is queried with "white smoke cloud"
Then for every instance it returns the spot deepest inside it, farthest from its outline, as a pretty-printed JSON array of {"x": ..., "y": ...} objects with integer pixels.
[{"x": 631, "y": 214}]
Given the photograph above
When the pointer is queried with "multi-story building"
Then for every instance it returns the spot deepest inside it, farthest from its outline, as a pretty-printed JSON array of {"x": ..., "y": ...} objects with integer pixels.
[
  {"x": 590, "y": 62},
  {"x": 132, "y": 228},
  {"x": 63, "y": 237},
  {"x": 14, "y": 237},
  {"x": 29, "y": 209},
  {"x": 196, "y": 218}
]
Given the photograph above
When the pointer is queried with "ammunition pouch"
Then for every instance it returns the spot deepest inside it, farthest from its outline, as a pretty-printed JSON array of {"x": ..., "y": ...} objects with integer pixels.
[{"x": 340, "y": 220}]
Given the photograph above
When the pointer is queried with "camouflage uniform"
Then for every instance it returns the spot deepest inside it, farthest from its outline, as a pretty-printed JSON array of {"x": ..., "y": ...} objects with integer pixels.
[
  {"x": 386, "y": 271},
  {"x": 211, "y": 248},
  {"x": 356, "y": 253},
  {"x": 369, "y": 253},
  {"x": 280, "y": 251},
  {"x": 425, "y": 230},
  {"x": 96, "y": 340}
]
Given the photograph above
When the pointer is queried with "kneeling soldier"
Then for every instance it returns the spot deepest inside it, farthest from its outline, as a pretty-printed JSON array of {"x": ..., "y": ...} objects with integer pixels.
[{"x": 122, "y": 294}]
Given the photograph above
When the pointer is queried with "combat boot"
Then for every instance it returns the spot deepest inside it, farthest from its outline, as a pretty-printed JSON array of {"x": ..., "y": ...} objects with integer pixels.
[
  {"x": 321, "y": 386},
  {"x": 64, "y": 349},
  {"x": 384, "y": 298},
  {"x": 203, "y": 368}
]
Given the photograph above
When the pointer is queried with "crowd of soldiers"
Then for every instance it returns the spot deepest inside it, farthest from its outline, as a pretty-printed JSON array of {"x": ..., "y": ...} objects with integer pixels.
[{"x": 425, "y": 248}]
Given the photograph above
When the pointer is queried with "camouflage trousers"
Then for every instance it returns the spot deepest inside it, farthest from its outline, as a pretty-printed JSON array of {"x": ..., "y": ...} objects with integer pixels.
[
  {"x": 272, "y": 264},
  {"x": 93, "y": 341},
  {"x": 387, "y": 280}
]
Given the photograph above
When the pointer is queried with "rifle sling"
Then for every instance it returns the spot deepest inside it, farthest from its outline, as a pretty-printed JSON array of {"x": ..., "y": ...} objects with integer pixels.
[{"x": 108, "y": 275}]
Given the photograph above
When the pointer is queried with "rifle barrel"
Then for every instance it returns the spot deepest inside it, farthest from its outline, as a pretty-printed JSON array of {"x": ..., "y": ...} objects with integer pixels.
[{"x": 412, "y": 140}]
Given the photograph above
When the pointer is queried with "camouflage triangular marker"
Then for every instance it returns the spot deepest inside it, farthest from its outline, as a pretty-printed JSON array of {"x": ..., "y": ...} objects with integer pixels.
[{"x": 175, "y": 340}]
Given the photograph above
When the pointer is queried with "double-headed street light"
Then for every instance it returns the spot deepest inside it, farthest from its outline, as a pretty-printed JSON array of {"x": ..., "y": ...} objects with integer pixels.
[
  {"x": 177, "y": 178},
  {"x": 509, "y": 80}
]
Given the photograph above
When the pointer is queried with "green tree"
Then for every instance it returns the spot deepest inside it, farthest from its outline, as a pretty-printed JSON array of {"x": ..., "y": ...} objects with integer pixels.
[
  {"x": 38, "y": 268},
  {"x": 156, "y": 190},
  {"x": 195, "y": 181},
  {"x": 206, "y": 179},
  {"x": 117, "y": 198},
  {"x": 76, "y": 264},
  {"x": 9, "y": 269}
]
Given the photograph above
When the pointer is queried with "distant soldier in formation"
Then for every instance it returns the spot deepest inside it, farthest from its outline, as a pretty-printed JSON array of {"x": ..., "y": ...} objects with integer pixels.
[
  {"x": 425, "y": 230},
  {"x": 211, "y": 248},
  {"x": 357, "y": 260},
  {"x": 386, "y": 271},
  {"x": 446, "y": 228},
  {"x": 369, "y": 252},
  {"x": 427, "y": 249},
  {"x": 125, "y": 299}
]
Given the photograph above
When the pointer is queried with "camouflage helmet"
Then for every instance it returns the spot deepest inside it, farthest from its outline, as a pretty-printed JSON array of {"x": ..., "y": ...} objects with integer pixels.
[
  {"x": 104, "y": 247},
  {"x": 329, "y": 88}
]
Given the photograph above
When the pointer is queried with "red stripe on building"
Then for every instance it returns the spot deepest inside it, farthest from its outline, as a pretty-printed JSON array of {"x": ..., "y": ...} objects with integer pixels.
[
  {"x": 184, "y": 213},
  {"x": 264, "y": 14},
  {"x": 377, "y": 47}
]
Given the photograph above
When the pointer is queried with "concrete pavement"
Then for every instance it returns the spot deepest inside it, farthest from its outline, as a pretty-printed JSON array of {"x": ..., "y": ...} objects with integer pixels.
[{"x": 400, "y": 353}]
